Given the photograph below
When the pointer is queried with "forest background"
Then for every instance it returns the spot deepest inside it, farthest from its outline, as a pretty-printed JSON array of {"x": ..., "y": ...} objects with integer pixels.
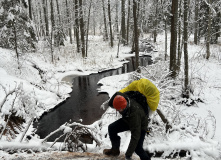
[{"x": 63, "y": 30}]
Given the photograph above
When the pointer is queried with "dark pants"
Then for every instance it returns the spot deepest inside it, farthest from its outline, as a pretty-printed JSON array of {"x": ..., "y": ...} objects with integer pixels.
[{"x": 120, "y": 126}]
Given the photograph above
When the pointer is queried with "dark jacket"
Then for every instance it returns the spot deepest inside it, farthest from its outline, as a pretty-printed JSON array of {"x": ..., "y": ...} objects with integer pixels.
[{"x": 136, "y": 119}]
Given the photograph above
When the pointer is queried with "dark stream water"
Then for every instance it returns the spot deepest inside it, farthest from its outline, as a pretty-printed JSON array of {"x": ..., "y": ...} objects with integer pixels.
[{"x": 85, "y": 101}]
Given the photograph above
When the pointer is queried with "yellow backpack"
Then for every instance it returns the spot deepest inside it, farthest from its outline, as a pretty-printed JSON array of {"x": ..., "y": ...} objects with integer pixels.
[{"x": 148, "y": 89}]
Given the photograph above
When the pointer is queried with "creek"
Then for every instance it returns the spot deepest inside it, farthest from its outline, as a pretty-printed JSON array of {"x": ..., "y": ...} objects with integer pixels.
[{"x": 84, "y": 101}]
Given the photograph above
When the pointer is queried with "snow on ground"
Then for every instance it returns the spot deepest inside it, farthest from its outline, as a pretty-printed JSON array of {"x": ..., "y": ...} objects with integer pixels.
[{"x": 46, "y": 88}]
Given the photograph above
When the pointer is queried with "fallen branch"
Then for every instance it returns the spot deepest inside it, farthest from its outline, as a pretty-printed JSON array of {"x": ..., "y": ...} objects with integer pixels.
[{"x": 163, "y": 118}]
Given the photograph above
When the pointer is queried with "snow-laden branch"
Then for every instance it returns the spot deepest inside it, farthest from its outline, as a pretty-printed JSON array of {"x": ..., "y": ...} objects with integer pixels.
[
  {"x": 5, "y": 125},
  {"x": 7, "y": 94},
  {"x": 210, "y": 6},
  {"x": 68, "y": 131}
]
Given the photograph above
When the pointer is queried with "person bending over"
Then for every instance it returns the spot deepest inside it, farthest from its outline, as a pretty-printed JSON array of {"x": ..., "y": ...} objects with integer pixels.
[{"x": 134, "y": 103}]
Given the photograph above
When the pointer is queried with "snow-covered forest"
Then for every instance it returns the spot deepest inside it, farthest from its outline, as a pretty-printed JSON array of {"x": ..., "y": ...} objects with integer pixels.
[{"x": 45, "y": 43}]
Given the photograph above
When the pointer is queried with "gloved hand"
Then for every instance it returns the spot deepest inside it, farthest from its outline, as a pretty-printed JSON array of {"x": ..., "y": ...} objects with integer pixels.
[
  {"x": 105, "y": 105},
  {"x": 128, "y": 158}
]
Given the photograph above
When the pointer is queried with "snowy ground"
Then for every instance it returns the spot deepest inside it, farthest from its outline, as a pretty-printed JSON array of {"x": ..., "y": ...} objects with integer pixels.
[{"x": 202, "y": 134}]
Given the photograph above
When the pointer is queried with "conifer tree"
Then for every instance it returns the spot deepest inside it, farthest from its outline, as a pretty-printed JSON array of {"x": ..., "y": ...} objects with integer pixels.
[{"x": 16, "y": 30}]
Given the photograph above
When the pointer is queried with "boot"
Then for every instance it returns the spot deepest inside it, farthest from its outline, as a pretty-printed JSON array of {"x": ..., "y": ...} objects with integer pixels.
[{"x": 111, "y": 152}]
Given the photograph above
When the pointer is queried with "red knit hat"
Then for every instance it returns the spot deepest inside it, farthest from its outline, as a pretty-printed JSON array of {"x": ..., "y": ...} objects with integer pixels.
[{"x": 119, "y": 102}]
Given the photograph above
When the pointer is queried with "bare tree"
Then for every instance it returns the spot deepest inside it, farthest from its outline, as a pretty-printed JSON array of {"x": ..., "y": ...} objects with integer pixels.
[
  {"x": 165, "y": 22},
  {"x": 173, "y": 41},
  {"x": 82, "y": 29},
  {"x": 52, "y": 17},
  {"x": 105, "y": 23},
  {"x": 29, "y": 9},
  {"x": 116, "y": 18},
  {"x": 69, "y": 20},
  {"x": 196, "y": 21},
  {"x": 217, "y": 23},
  {"x": 165, "y": 30},
  {"x": 109, "y": 17},
  {"x": 88, "y": 22},
  {"x": 136, "y": 33},
  {"x": 208, "y": 30},
  {"x": 179, "y": 51},
  {"x": 59, "y": 14},
  {"x": 15, "y": 40},
  {"x": 52, "y": 31},
  {"x": 128, "y": 21},
  {"x": 45, "y": 6},
  {"x": 155, "y": 22},
  {"x": 185, "y": 37},
  {"x": 41, "y": 31},
  {"x": 76, "y": 12},
  {"x": 59, "y": 35},
  {"x": 123, "y": 27}
]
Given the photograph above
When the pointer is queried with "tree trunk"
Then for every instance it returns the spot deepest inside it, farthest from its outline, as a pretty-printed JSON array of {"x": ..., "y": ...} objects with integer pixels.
[
  {"x": 36, "y": 17},
  {"x": 208, "y": 32},
  {"x": 59, "y": 15},
  {"x": 109, "y": 16},
  {"x": 77, "y": 25},
  {"x": 41, "y": 32},
  {"x": 116, "y": 18},
  {"x": 196, "y": 22},
  {"x": 82, "y": 29},
  {"x": 52, "y": 16},
  {"x": 141, "y": 18},
  {"x": 179, "y": 37},
  {"x": 88, "y": 22},
  {"x": 29, "y": 9},
  {"x": 45, "y": 6},
  {"x": 185, "y": 37},
  {"x": 123, "y": 27},
  {"x": 155, "y": 22},
  {"x": 105, "y": 23},
  {"x": 94, "y": 23},
  {"x": 15, "y": 38},
  {"x": 165, "y": 28},
  {"x": 69, "y": 21},
  {"x": 173, "y": 41},
  {"x": 136, "y": 33},
  {"x": 52, "y": 31},
  {"x": 218, "y": 27},
  {"x": 128, "y": 22}
]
